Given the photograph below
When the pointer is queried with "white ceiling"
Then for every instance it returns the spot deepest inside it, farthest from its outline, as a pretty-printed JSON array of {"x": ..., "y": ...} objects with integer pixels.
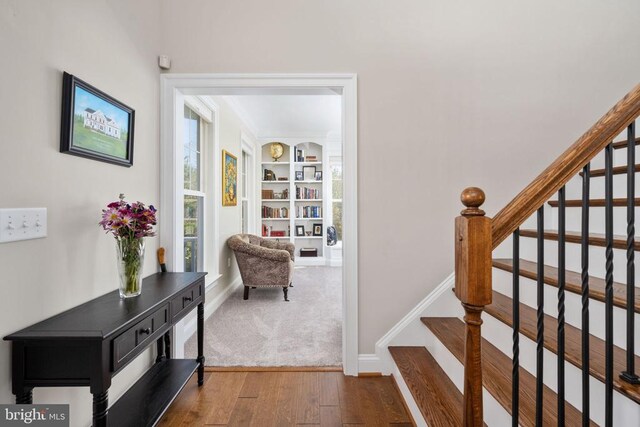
[{"x": 291, "y": 116}]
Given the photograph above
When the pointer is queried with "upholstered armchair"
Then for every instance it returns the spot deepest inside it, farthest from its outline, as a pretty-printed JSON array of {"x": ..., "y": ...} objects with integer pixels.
[{"x": 262, "y": 262}]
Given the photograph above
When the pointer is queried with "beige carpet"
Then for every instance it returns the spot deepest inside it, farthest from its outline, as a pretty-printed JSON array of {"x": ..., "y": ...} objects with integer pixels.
[{"x": 267, "y": 331}]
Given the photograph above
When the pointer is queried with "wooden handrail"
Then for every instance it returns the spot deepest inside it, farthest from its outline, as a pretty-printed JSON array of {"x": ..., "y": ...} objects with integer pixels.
[{"x": 565, "y": 167}]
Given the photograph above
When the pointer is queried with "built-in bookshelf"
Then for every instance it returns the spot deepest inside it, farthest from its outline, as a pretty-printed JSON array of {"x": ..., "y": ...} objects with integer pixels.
[{"x": 292, "y": 203}]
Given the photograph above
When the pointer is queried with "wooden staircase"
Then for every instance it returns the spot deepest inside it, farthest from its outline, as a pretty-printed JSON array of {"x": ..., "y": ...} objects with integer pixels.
[{"x": 489, "y": 369}]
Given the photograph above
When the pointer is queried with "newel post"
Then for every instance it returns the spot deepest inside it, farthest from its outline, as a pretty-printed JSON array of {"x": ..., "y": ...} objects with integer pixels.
[{"x": 473, "y": 289}]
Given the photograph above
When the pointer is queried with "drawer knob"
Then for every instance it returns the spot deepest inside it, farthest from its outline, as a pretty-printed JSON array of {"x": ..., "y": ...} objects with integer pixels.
[
  {"x": 186, "y": 298},
  {"x": 145, "y": 331}
]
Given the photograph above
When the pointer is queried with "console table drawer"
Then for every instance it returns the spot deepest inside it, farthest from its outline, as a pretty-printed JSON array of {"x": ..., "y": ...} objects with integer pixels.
[
  {"x": 185, "y": 301},
  {"x": 138, "y": 336}
]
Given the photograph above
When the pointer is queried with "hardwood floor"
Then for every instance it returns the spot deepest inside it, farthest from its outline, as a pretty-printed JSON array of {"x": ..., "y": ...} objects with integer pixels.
[{"x": 264, "y": 398}]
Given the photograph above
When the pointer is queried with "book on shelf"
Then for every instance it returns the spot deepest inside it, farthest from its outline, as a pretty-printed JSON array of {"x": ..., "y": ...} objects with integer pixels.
[
  {"x": 274, "y": 213},
  {"x": 308, "y": 211},
  {"x": 267, "y": 194},
  {"x": 307, "y": 193},
  {"x": 311, "y": 159}
]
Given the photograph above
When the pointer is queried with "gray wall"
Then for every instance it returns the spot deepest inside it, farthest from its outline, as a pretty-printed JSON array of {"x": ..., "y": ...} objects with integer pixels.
[
  {"x": 451, "y": 94},
  {"x": 113, "y": 45}
]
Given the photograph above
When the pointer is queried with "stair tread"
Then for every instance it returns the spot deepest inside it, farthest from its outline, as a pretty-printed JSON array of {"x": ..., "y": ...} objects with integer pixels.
[
  {"x": 573, "y": 281},
  {"x": 595, "y": 239},
  {"x": 438, "y": 398},
  {"x": 496, "y": 375},
  {"x": 623, "y": 144},
  {"x": 576, "y": 203},
  {"x": 617, "y": 170},
  {"x": 502, "y": 309}
]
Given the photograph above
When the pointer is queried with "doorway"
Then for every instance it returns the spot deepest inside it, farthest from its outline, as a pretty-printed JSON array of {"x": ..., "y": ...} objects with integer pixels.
[{"x": 174, "y": 89}]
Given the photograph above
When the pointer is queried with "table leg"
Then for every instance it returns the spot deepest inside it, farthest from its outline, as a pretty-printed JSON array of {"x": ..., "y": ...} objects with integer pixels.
[
  {"x": 25, "y": 398},
  {"x": 201, "y": 343},
  {"x": 100, "y": 408},
  {"x": 160, "y": 349},
  {"x": 167, "y": 344}
]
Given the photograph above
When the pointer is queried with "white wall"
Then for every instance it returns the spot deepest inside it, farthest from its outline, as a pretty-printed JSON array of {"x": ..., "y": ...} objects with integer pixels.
[
  {"x": 451, "y": 94},
  {"x": 113, "y": 45}
]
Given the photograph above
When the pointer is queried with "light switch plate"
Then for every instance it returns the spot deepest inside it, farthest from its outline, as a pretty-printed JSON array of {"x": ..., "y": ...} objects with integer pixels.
[{"x": 22, "y": 224}]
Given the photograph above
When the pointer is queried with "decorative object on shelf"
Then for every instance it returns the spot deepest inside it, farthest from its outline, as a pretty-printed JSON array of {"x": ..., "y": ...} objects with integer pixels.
[
  {"x": 318, "y": 176},
  {"x": 277, "y": 150},
  {"x": 332, "y": 236},
  {"x": 317, "y": 229},
  {"x": 309, "y": 173},
  {"x": 229, "y": 179},
  {"x": 129, "y": 224},
  {"x": 299, "y": 176},
  {"x": 283, "y": 178},
  {"x": 299, "y": 230},
  {"x": 269, "y": 175},
  {"x": 308, "y": 233},
  {"x": 95, "y": 125},
  {"x": 308, "y": 252},
  {"x": 299, "y": 155},
  {"x": 311, "y": 159}
]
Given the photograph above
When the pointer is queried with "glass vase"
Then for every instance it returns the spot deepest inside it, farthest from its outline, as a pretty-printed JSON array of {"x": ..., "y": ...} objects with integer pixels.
[{"x": 130, "y": 253}]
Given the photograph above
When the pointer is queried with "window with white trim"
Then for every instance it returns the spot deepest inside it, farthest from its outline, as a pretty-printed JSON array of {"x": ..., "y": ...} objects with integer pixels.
[
  {"x": 244, "y": 193},
  {"x": 194, "y": 195},
  {"x": 335, "y": 166}
]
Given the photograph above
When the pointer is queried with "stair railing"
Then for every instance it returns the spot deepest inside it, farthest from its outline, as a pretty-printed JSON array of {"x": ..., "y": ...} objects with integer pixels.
[{"x": 476, "y": 235}]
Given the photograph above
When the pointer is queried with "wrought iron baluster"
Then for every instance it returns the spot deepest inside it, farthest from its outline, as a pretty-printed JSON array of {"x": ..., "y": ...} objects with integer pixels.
[
  {"x": 515, "y": 389},
  {"x": 630, "y": 375},
  {"x": 586, "y": 172},
  {"x": 561, "y": 288},
  {"x": 540, "y": 319},
  {"x": 608, "y": 195}
]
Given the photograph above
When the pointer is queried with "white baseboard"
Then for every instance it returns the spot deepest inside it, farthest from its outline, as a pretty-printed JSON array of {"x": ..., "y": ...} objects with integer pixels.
[
  {"x": 410, "y": 321},
  {"x": 368, "y": 362}
]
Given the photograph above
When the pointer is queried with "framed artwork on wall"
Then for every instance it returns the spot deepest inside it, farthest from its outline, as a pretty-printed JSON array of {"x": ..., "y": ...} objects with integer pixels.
[
  {"x": 94, "y": 124},
  {"x": 229, "y": 179}
]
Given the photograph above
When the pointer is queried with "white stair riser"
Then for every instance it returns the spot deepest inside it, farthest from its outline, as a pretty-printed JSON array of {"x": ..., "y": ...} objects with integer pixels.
[
  {"x": 573, "y": 189},
  {"x": 502, "y": 282},
  {"x": 573, "y": 262},
  {"x": 626, "y": 411},
  {"x": 494, "y": 413},
  {"x": 573, "y": 218}
]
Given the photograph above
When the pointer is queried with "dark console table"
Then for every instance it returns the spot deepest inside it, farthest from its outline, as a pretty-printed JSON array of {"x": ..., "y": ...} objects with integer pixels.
[{"x": 89, "y": 344}]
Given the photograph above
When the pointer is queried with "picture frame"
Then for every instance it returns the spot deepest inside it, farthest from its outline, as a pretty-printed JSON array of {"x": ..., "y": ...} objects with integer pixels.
[
  {"x": 229, "y": 179},
  {"x": 95, "y": 125},
  {"x": 308, "y": 173},
  {"x": 299, "y": 230},
  {"x": 299, "y": 176},
  {"x": 318, "y": 175},
  {"x": 317, "y": 229}
]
